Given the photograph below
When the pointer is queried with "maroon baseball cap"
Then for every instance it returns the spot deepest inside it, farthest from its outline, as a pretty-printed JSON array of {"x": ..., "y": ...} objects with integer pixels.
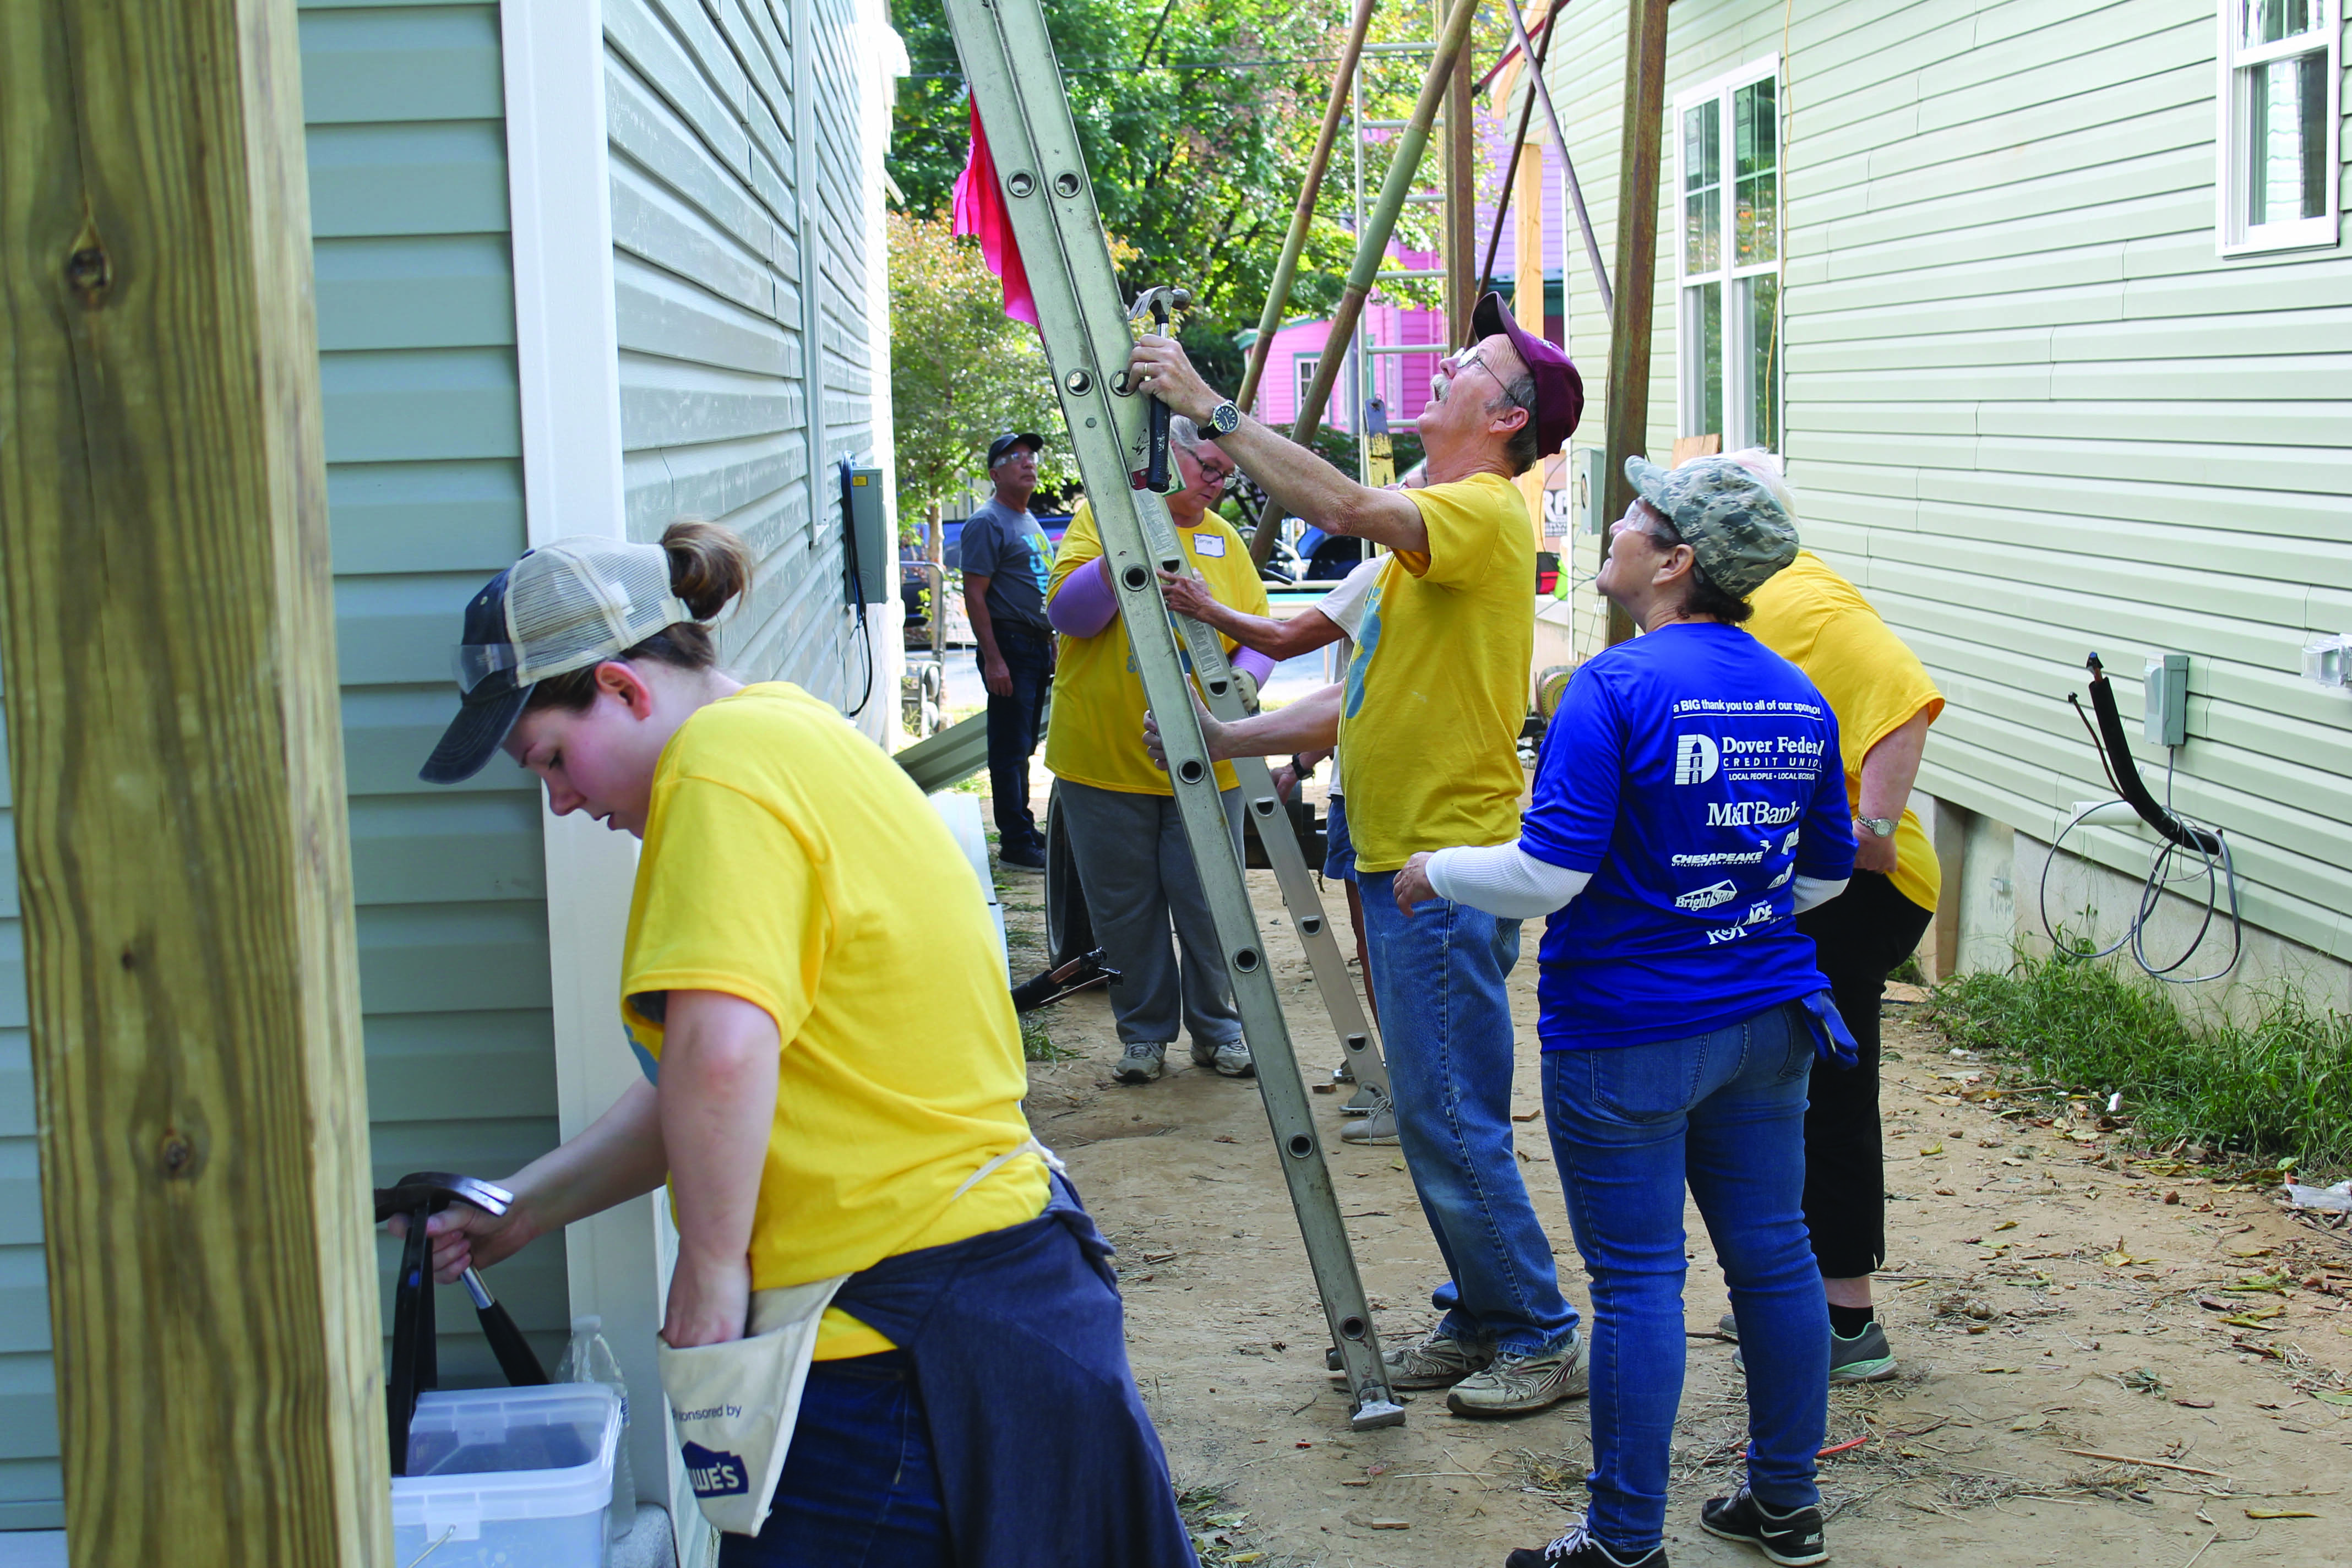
[{"x": 1559, "y": 391}]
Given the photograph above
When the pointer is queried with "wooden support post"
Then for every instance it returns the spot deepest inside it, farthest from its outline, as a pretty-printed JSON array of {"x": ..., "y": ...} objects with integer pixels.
[
  {"x": 182, "y": 852},
  {"x": 1461, "y": 165},
  {"x": 1637, "y": 265},
  {"x": 1527, "y": 294}
]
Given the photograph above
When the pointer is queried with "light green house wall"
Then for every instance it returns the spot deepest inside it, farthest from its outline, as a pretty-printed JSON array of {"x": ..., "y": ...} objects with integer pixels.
[
  {"x": 2030, "y": 410},
  {"x": 744, "y": 338}
]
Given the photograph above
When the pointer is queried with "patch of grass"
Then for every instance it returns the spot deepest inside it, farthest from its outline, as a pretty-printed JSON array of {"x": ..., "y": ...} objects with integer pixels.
[
  {"x": 1221, "y": 1532},
  {"x": 2278, "y": 1086},
  {"x": 1908, "y": 973},
  {"x": 1037, "y": 1044}
]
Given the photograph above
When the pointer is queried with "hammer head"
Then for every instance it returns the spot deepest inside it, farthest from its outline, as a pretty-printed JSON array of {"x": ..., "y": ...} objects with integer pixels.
[
  {"x": 428, "y": 1191},
  {"x": 1164, "y": 297}
]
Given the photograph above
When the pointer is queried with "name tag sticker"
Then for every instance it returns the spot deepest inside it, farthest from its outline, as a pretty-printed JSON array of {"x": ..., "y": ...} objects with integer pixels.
[{"x": 1211, "y": 545}]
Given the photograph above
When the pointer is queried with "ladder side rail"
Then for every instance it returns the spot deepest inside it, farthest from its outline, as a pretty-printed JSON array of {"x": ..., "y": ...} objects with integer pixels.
[{"x": 1009, "y": 60}]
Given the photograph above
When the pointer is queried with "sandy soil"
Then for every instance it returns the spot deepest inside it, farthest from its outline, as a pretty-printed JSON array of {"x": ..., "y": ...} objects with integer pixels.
[{"x": 2058, "y": 1307}]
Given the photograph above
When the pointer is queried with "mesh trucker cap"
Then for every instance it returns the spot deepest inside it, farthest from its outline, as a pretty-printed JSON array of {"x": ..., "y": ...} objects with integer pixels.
[{"x": 562, "y": 608}]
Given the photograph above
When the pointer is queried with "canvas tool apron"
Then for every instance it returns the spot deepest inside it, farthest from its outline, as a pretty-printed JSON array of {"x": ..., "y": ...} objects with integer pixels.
[{"x": 733, "y": 1406}]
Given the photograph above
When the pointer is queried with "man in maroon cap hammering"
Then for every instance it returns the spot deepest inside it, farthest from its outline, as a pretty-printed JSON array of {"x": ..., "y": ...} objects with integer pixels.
[{"x": 1428, "y": 719}]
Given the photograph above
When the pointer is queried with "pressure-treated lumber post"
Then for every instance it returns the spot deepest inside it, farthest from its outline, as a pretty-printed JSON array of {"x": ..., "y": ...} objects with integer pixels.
[
  {"x": 1637, "y": 265},
  {"x": 1460, "y": 199},
  {"x": 182, "y": 859},
  {"x": 1527, "y": 294}
]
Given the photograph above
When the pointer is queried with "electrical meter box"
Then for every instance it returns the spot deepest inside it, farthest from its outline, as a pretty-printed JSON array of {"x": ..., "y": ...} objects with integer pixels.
[
  {"x": 2165, "y": 685},
  {"x": 869, "y": 525},
  {"x": 1592, "y": 487}
]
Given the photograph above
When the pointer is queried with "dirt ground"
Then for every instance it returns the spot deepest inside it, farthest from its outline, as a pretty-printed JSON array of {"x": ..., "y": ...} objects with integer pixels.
[{"x": 2105, "y": 1358}]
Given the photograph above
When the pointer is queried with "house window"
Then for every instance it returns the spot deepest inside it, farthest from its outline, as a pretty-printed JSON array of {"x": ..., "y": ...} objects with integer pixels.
[
  {"x": 1306, "y": 366},
  {"x": 1728, "y": 182},
  {"x": 2280, "y": 71}
]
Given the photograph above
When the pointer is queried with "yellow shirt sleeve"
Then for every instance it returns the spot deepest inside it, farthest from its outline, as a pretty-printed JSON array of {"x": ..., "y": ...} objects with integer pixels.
[{"x": 730, "y": 902}]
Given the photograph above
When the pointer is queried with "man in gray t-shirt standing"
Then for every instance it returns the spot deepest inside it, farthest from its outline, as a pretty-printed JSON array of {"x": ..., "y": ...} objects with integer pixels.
[{"x": 1006, "y": 559}]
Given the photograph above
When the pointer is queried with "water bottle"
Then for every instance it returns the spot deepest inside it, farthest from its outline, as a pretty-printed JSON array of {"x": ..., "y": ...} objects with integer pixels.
[{"x": 588, "y": 1359}]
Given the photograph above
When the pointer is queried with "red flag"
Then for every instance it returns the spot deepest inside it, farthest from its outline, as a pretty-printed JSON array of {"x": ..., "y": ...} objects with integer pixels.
[{"x": 979, "y": 210}]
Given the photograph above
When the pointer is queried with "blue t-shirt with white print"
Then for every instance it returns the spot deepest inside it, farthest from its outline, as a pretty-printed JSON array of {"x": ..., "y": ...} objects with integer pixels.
[{"x": 1695, "y": 773}]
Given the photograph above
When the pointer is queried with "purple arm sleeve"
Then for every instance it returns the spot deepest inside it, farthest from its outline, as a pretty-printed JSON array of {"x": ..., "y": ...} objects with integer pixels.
[
  {"x": 1259, "y": 665},
  {"x": 1084, "y": 604}
]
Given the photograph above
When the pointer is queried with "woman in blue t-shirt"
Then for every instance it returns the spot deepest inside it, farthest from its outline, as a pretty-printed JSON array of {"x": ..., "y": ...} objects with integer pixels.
[{"x": 1688, "y": 803}]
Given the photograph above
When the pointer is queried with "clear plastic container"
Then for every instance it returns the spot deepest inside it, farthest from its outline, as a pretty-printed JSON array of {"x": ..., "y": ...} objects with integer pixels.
[
  {"x": 508, "y": 1478},
  {"x": 588, "y": 1359}
]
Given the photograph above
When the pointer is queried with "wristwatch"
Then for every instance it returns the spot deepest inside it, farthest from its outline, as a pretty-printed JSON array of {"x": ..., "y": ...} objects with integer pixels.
[
  {"x": 1884, "y": 826},
  {"x": 1223, "y": 419}
]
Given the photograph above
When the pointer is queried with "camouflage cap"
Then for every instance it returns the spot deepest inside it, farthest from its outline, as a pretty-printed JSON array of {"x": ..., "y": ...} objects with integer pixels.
[{"x": 1738, "y": 530}]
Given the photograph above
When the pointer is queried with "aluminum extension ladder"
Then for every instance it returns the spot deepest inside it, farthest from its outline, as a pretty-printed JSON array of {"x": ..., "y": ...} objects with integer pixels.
[{"x": 1009, "y": 62}]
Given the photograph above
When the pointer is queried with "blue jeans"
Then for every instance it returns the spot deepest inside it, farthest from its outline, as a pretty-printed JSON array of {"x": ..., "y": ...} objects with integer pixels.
[
  {"x": 1445, "y": 1025},
  {"x": 1630, "y": 1124},
  {"x": 1013, "y": 732},
  {"x": 859, "y": 1487}
]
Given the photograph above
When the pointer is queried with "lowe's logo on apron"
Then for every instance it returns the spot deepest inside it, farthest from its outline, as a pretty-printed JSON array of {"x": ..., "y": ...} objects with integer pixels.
[{"x": 714, "y": 1475}]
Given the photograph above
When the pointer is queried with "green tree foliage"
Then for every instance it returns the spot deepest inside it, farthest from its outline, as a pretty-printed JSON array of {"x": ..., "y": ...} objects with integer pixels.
[
  {"x": 1198, "y": 122},
  {"x": 961, "y": 372}
]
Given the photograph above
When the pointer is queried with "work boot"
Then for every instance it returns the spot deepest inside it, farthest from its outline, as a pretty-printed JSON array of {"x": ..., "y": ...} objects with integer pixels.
[
  {"x": 1523, "y": 1384},
  {"x": 1865, "y": 1358},
  {"x": 1577, "y": 1549},
  {"x": 1379, "y": 1128},
  {"x": 1793, "y": 1537},
  {"x": 1436, "y": 1361},
  {"x": 1141, "y": 1064}
]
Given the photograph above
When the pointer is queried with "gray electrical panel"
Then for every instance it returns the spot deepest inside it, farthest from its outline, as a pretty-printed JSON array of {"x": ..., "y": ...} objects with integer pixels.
[
  {"x": 869, "y": 526},
  {"x": 2165, "y": 683},
  {"x": 1591, "y": 488}
]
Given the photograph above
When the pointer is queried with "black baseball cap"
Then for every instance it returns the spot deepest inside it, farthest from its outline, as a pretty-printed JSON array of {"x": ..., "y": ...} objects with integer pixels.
[{"x": 1006, "y": 442}]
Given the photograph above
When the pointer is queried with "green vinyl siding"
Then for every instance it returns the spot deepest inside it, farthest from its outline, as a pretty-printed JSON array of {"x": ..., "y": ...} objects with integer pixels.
[
  {"x": 407, "y": 143},
  {"x": 2030, "y": 410},
  {"x": 740, "y": 300}
]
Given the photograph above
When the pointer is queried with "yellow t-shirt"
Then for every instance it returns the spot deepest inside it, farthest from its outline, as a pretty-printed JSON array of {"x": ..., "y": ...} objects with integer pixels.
[
  {"x": 1437, "y": 690},
  {"x": 1096, "y": 733},
  {"x": 1820, "y": 622},
  {"x": 789, "y": 862}
]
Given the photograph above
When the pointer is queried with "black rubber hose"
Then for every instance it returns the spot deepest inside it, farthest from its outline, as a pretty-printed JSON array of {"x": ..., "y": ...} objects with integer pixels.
[{"x": 2127, "y": 773}]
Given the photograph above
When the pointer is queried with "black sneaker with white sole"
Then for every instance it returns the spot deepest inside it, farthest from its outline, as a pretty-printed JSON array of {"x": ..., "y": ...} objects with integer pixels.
[
  {"x": 1793, "y": 1537},
  {"x": 1577, "y": 1549}
]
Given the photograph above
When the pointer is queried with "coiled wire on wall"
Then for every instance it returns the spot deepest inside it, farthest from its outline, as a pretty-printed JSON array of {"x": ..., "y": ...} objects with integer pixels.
[
  {"x": 2190, "y": 850},
  {"x": 861, "y": 625}
]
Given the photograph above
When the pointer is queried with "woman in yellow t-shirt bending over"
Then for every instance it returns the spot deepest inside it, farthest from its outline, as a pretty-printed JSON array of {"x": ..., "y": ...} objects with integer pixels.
[{"x": 832, "y": 1083}]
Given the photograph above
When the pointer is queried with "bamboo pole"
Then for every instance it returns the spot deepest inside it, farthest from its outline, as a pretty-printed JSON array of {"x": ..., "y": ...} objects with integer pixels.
[
  {"x": 191, "y": 975},
  {"x": 1371, "y": 244},
  {"x": 1302, "y": 216},
  {"x": 1637, "y": 266}
]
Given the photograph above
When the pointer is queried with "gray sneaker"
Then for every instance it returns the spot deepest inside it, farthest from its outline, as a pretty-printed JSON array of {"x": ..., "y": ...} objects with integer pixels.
[
  {"x": 1379, "y": 1129},
  {"x": 1231, "y": 1059},
  {"x": 1433, "y": 1362},
  {"x": 1865, "y": 1358},
  {"x": 1141, "y": 1064},
  {"x": 1523, "y": 1384}
]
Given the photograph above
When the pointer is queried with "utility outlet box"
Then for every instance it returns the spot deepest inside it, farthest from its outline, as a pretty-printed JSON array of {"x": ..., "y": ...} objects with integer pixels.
[
  {"x": 2165, "y": 685},
  {"x": 1592, "y": 487},
  {"x": 869, "y": 523}
]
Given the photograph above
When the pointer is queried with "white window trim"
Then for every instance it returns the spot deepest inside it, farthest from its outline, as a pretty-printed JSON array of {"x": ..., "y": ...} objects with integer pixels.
[
  {"x": 1686, "y": 417},
  {"x": 1303, "y": 367},
  {"x": 2231, "y": 236}
]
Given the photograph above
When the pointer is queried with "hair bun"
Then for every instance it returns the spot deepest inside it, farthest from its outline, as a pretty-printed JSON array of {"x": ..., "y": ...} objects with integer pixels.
[{"x": 709, "y": 565}]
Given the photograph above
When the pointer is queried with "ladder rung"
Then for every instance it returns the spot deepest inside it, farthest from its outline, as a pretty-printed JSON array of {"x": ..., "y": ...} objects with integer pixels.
[
  {"x": 1424, "y": 48},
  {"x": 1425, "y": 199},
  {"x": 1420, "y": 277},
  {"x": 1384, "y": 124},
  {"x": 1437, "y": 349}
]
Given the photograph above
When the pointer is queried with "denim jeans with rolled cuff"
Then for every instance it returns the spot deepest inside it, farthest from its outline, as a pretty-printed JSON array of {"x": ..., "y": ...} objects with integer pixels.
[
  {"x": 1630, "y": 1125},
  {"x": 1441, "y": 978},
  {"x": 1014, "y": 728}
]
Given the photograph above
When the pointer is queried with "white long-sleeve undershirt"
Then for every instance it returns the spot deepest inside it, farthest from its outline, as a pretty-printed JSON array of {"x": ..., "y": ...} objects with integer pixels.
[{"x": 1508, "y": 883}]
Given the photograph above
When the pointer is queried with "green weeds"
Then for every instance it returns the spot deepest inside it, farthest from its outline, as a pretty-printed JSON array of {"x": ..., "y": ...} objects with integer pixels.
[{"x": 2278, "y": 1086}]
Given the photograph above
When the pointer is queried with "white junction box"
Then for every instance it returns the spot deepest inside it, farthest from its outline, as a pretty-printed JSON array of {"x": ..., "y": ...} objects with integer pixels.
[
  {"x": 508, "y": 1478},
  {"x": 2165, "y": 686}
]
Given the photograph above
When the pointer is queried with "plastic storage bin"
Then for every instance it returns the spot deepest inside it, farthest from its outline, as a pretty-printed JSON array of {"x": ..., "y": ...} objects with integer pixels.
[{"x": 508, "y": 1478}]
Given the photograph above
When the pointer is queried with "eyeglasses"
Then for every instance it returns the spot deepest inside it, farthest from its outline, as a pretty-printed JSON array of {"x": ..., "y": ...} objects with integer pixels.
[
  {"x": 1212, "y": 475},
  {"x": 1475, "y": 356}
]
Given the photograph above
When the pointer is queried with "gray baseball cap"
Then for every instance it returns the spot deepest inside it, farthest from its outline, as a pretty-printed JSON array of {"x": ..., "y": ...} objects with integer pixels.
[{"x": 1738, "y": 530}]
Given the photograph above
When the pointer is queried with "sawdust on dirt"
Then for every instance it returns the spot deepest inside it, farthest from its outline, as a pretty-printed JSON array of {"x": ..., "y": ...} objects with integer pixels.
[{"x": 2105, "y": 1358}]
